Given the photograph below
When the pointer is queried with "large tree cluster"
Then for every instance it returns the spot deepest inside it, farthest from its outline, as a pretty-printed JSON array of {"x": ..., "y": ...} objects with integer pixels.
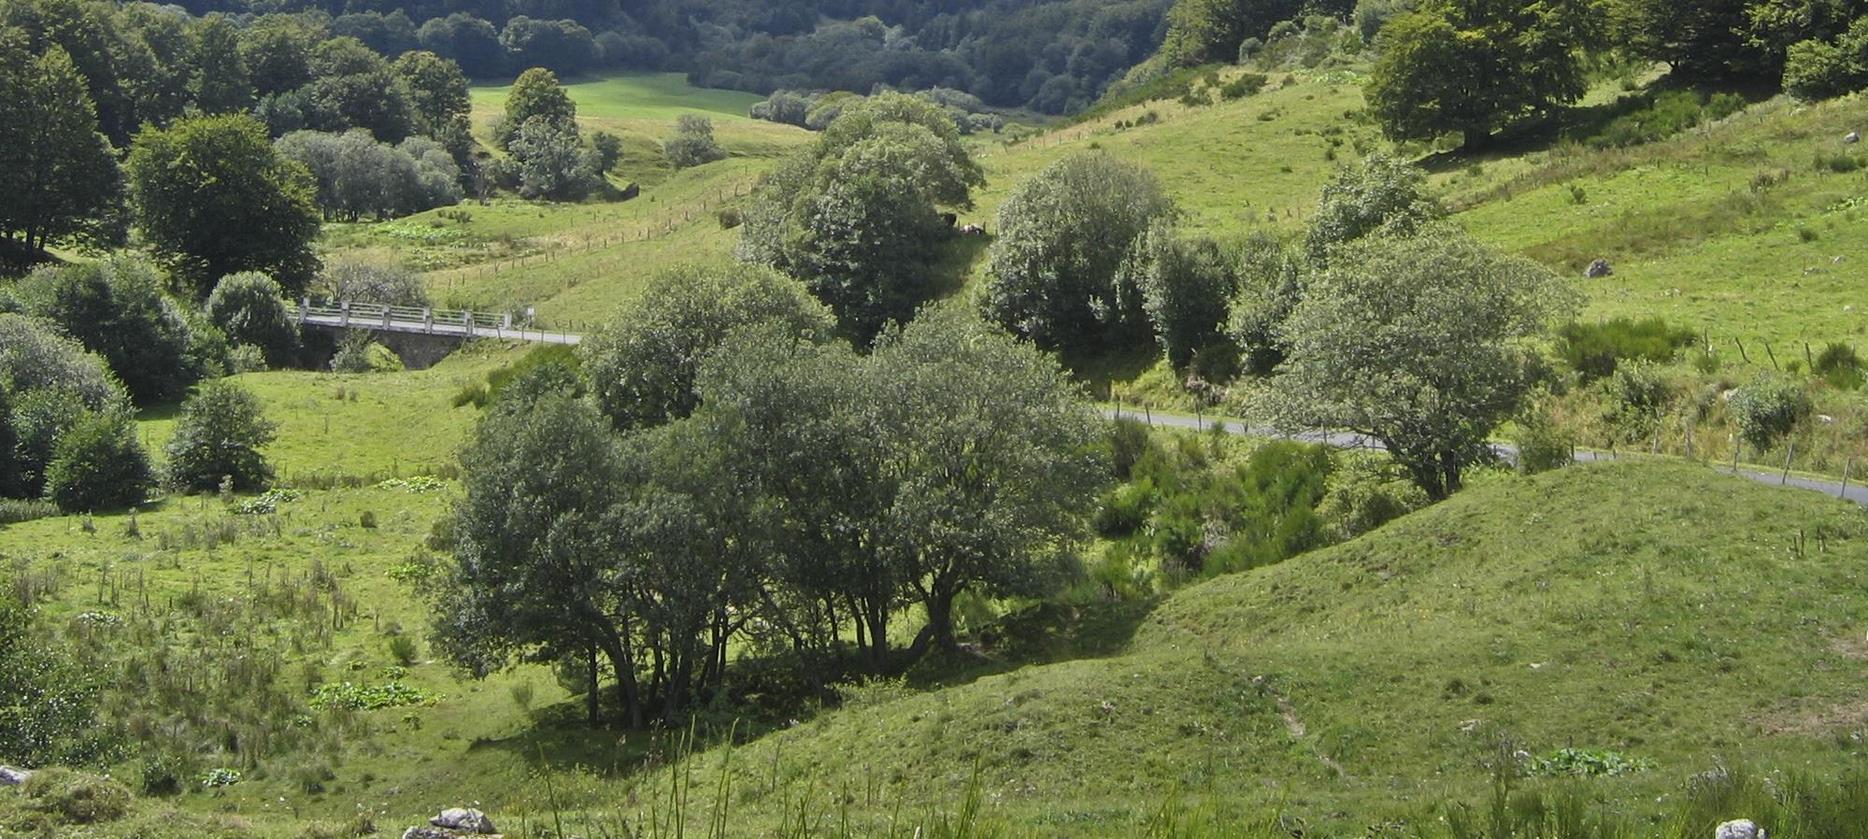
[{"x": 767, "y": 486}]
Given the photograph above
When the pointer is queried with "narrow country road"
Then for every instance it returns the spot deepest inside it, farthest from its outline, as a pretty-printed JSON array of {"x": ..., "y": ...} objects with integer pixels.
[{"x": 1854, "y": 492}]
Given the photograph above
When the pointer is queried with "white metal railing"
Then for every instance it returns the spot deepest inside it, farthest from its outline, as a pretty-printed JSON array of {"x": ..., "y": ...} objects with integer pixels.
[{"x": 345, "y": 314}]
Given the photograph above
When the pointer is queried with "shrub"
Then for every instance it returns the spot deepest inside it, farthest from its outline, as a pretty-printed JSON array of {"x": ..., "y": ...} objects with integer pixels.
[
  {"x": 1636, "y": 397},
  {"x": 99, "y": 465},
  {"x": 693, "y": 143},
  {"x": 1128, "y": 442},
  {"x": 40, "y": 418},
  {"x": 1839, "y": 366},
  {"x": 77, "y": 797},
  {"x": 357, "y": 353},
  {"x": 1125, "y": 509},
  {"x": 1820, "y": 70},
  {"x": 362, "y": 282},
  {"x": 1768, "y": 408},
  {"x": 250, "y": 309},
  {"x": 1364, "y": 492},
  {"x": 33, "y": 356},
  {"x": 402, "y": 649},
  {"x": 1595, "y": 349},
  {"x": 219, "y": 434},
  {"x": 161, "y": 774},
  {"x": 115, "y": 308},
  {"x": 1245, "y": 85}
]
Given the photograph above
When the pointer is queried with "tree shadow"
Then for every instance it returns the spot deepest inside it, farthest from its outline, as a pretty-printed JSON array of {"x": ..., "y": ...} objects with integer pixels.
[
  {"x": 1043, "y": 633},
  {"x": 1101, "y": 369}
]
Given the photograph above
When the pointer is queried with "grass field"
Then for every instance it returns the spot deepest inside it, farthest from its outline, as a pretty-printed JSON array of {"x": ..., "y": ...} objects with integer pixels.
[{"x": 1669, "y": 614}]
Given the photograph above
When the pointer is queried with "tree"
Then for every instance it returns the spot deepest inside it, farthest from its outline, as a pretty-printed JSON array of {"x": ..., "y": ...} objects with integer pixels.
[
  {"x": 642, "y": 366},
  {"x": 437, "y": 91},
  {"x": 99, "y": 464},
  {"x": 1418, "y": 343},
  {"x": 1699, "y": 41},
  {"x": 116, "y": 309},
  {"x": 219, "y": 436},
  {"x": 249, "y": 308},
  {"x": 201, "y": 177},
  {"x": 363, "y": 282},
  {"x": 277, "y": 54},
  {"x": 693, "y": 143},
  {"x": 1063, "y": 236},
  {"x": 41, "y": 417},
  {"x": 564, "y": 46},
  {"x": 59, "y": 181},
  {"x": 857, "y": 218},
  {"x": 536, "y": 536},
  {"x": 1382, "y": 194},
  {"x": 353, "y": 87},
  {"x": 468, "y": 41},
  {"x": 1209, "y": 31},
  {"x": 222, "y": 83},
  {"x": 1270, "y": 282},
  {"x": 1475, "y": 66},
  {"x": 550, "y": 162},
  {"x": 358, "y": 176},
  {"x": 536, "y": 94},
  {"x": 34, "y": 357},
  {"x": 9, "y": 447},
  {"x": 976, "y": 508},
  {"x": 1185, "y": 288}
]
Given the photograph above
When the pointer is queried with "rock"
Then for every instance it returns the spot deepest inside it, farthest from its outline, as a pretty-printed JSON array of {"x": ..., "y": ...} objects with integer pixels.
[
  {"x": 1852, "y": 138},
  {"x": 10, "y": 777},
  {"x": 426, "y": 833},
  {"x": 1739, "y": 829},
  {"x": 631, "y": 191},
  {"x": 464, "y": 820},
  {"x": 1598, "y": 269}
]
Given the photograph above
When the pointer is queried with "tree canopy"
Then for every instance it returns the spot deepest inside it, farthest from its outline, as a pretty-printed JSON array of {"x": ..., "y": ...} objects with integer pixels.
[{"x": 195, "y": 181}]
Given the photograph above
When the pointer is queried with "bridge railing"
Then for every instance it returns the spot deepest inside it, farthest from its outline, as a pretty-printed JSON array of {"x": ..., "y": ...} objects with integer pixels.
[{"x": 345, "y": 314}]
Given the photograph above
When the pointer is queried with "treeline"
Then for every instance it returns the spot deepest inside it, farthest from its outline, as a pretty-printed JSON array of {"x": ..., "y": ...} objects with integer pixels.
[
  {"x": 718, "y": 471},
  {"x": 1054, "y": 56},
  {"x": 102, "y": 101}
]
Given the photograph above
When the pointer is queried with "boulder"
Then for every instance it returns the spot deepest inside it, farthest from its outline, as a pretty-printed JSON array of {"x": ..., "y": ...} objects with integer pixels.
[
  {"x": 463, "y": 820},
  {"x": 1852, "y": 137},
  {"x": 10, "y": 777},
  {"x": 1739, "y": 829},
  {"x": 1598, "y": 269}
]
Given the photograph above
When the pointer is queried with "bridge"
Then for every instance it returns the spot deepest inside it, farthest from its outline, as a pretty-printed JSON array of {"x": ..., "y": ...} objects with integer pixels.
[{"x": 422, "y": 320}]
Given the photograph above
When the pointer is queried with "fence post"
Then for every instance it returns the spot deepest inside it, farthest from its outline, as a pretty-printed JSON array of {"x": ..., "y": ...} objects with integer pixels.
[
  {"x": 1741, "y": 350},
  {"x": 1788, "y": 454},
  {"x": 1846, "y": 468},
  {"x": 345, "y": 320}
]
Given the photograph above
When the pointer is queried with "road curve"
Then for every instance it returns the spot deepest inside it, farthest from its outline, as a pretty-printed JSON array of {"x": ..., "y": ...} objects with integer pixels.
[{"x": 1854, "y": 492}]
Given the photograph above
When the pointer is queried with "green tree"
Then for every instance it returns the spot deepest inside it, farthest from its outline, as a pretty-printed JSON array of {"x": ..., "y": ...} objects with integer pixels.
[
  {"x": 975, "y": 508},
  {"x": 1063, "y": 236},
  {"x": 1475, "y": 66},
  {"x": 857, "y": 217},
  {"x": 1418, "y": 343},
  {"x": 218, "y": 436},
  {"x": 536, "y": 94},
  {"x": 1815, "y": 70},
  {"x": 1270, "y": 282},
  {"x": 277, "y": 54},
  {"x": 34, "y": 356},
  {"x": 693, "y": 143},
  {"x": 249, "y": 308},
  {"x": 642, "y": 366},
  {"x": 59, "y": 181},
  {"x": 354, "y": 87},
  {"x": 552, "y": 164},
  {"x": 200, "y": 178},
  {"x": 1209, "y": 31},
  {"x": 9, "y": 447},
  {"x": 1186, "y": 287},
  {"x": 437, "y": 91},
  {"x": 1382, "y": 194},
  {"x": 222, "y": 83},
  {"x": 115, "y": 308},
  {"x": 99, "y": 464},
  {"x": 536, "y": 548},
  {"x": 41, "y": 417}
]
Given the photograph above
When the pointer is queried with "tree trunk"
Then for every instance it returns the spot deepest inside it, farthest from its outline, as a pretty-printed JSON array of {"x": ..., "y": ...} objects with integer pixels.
[
  {"x": 940, "y": 618},
  {"x": 591, "y": 702}
]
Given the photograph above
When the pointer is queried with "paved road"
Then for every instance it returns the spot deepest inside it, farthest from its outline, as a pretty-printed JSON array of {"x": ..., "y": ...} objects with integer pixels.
[{"x": 1854, "y": 491}]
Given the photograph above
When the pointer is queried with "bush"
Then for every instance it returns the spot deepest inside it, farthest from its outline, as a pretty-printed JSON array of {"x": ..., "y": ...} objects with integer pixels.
[
  {"x": 250, "y": 309},
  {"x": 1543, "y": 445},
  {"x": 1636, "y": 397},
  {"x": 40, "y": 418},
  {"x": 1816, "y": 70},
  {"x": 1125, "y": 509},
  {"x": 33, "y": 356},
  {"x": 357, "y": 353},
  {"x": 162, "y": 774},
  {"x": 1768, "y": 408},
  {"x": 115, "y": 308},
  {"x": 361, "y": 282},
  {"x": 1128, "y": 443},
  {"x": 1840, "y": 367},
  {"x": 219, "y": 435},
  {"x": 1594, "y": 350},
  {"x": 693, "y": 143},
  {"x": 402, "y": 649},
  {"x": 99, "y": 465},
  {"x": 1364, "y": 492},
  {"x": 77, "y": 797}
]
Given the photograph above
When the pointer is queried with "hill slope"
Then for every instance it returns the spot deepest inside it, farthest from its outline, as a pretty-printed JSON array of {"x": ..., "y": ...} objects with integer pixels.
[{"x": 1663, "y": 611}]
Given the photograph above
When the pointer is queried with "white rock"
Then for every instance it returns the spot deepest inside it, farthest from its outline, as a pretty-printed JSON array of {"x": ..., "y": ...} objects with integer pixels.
[
  {"x": 10, "y": 777},
  {"x": 464, "y": 820},
  {"x": 1739, "y": 829}
]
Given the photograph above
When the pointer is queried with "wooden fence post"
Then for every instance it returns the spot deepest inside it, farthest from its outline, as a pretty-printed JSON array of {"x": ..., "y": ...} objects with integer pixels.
[{"x": 1788, "y": 454}]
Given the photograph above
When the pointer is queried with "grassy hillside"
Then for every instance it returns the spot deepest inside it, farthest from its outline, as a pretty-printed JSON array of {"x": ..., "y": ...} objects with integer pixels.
[{"x": 1675, "y": 616}]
